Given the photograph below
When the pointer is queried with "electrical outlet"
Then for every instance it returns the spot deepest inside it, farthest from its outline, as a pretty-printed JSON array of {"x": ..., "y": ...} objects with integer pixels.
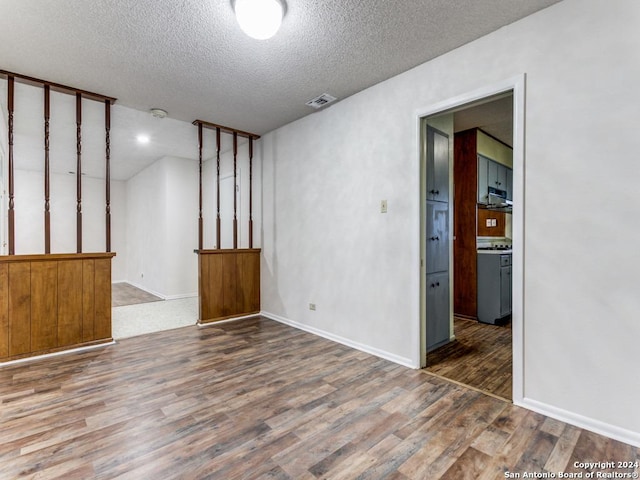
[
  {"x": 312, "y": 306},
  {"x": 383, "y": 206}
]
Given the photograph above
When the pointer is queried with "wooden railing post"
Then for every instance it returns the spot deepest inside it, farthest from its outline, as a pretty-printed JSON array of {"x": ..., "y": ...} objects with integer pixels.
[
  {"x": 250, "y": 192},
  {"x": 79, "y": 172},
  {"x": 200, "y": 225},
  {"x": 47, "y": 191},
  {"x": 235, "y": 196},
  {"x": 235, "y": 133},
  {"x": 11, "y": 213},
  {"x": 218, "y": 222},
  {"x": 107, "y": 163}
]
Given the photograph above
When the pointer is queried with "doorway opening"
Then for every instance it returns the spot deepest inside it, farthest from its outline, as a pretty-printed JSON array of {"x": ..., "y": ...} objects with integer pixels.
[{"x": 466, "y": 341}]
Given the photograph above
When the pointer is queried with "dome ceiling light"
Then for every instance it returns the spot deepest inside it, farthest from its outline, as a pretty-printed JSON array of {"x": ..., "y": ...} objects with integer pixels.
[{"x": 260, "y": 19}]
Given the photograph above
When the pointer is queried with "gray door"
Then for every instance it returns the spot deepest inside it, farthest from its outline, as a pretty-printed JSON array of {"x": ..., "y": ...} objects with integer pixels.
[{"x": 437, "y": 165}]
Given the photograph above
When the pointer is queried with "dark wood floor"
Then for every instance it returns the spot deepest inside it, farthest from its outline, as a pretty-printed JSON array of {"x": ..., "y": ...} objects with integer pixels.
[
  {"x": 257, "y": 399},
  {"x": 123, "y": 293},
  {"x": 481, "y": 357}
]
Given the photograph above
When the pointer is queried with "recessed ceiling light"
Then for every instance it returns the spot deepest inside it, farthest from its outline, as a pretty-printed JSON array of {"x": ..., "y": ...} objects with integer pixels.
[{"x": 142, "y": 139}]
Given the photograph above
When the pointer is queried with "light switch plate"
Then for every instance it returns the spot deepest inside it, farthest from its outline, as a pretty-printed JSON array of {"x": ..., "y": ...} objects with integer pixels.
[{"x": 383, "y": 206}]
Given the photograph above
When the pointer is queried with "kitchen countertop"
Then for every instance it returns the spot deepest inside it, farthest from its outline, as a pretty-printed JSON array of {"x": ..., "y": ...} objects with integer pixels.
[{"x": 495, "y": 252}]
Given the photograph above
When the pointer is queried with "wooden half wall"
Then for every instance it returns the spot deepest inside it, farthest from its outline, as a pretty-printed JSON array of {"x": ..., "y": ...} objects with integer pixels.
[
  {"x": 228, "y": 283},
  {"x": 53, "y": 302}
]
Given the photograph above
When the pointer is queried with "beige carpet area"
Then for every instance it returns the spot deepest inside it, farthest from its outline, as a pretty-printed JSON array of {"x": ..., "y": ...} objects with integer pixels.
[
  {"x": 136, "y": 311},
  {"x": 132, "y": 320}
]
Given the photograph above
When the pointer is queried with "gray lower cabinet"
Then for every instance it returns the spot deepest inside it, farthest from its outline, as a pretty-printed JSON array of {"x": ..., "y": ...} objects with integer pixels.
[
  {"x": 505, "y": 291},
  {"x": 437, "y": 309},
  {"x": 494, "y": 288}
]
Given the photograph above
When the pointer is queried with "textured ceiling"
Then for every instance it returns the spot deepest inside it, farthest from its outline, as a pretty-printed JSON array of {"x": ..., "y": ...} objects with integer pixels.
[{"x": 190, "y": 58}]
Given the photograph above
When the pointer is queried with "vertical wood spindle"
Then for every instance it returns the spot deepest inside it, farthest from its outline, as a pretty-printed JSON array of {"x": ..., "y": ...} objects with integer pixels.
[
  {"x": 200, "y": 226},
  {"x": 218, "y": 223},
  {"x": 11, "y": 213},
  {"x": 250, "y": 192},
  {"x": 79, "y": 172},
  {"x": 47, "y": 191},
  {"x": 107, "y": 164},
  {"x": 235, "y": 196}
]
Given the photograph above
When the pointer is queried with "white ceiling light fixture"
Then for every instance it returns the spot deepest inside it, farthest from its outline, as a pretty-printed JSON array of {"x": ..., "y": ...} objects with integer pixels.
[
  {"x": 143, "y": 139},
  {"x": 260, "y": 19},
  {"x": 158, "y": 112}
]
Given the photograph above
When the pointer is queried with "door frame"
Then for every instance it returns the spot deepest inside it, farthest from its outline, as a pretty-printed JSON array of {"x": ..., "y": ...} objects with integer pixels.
[{"x": 517, "y": 85}]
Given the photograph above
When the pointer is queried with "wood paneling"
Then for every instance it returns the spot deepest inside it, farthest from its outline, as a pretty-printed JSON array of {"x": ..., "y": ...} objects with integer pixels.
[
  {"x": 19, "y": 308},
  {"x": 70, "y": 298},
  {"x": 4, "y": 310},
  {"x": 52, "y": 302},
  {"x": 229, "y": 283},
  {"x": 88, "y": 299},
  {"x": 464, "y": 223},
  {"x": 44, "y": 304},
  {"x": 102, "y": 298},
  {"x": 499, "y": 217},
  {"x": 256, "y": 399}
]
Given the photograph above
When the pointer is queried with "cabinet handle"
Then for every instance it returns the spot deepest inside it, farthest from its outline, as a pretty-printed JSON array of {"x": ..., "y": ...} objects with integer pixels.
[
  {"x": 434, "y": 238},
  {"x": 434, "y": 285},
  {"x": 435, "y": 192}
]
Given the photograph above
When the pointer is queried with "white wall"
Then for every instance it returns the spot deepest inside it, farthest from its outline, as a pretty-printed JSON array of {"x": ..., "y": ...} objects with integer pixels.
[
  {"x": 162, "y": 229},
  {"x": 326, "y": 242}
]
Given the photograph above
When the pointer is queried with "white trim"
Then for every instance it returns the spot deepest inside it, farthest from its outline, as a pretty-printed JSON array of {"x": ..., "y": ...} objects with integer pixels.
[
  {"x": 160, "y": 295},
  {"x": 56, "y": 354},
  {"x": 517, "y": 85},
  {"x": 338, "y": 339},
  {"x": 596, "y": 426},
  {"x": 180, "y": 295},
  {"x": 228, "y": 320}
]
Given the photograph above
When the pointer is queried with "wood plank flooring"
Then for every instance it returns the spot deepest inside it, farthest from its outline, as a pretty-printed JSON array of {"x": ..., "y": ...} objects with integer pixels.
[
  {"x": 123, "y": 293},
  {"x": 481, "y": 357},
  {"x": 258, "y": 399}
]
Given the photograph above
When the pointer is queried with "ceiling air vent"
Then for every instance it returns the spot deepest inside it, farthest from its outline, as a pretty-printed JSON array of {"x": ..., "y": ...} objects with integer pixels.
[{"x": 321, "y": 100}]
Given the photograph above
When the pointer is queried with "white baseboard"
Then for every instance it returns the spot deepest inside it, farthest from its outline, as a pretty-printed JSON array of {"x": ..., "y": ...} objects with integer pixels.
[
  {"x": 596, "y": 426},
  {"x": 181, "y": 295},
  {"x": 344, "y": 341},
  {"x": 56, "y": 354},
  {"x": 160, "y": 295},
  {"x": 228, "y": 320}
]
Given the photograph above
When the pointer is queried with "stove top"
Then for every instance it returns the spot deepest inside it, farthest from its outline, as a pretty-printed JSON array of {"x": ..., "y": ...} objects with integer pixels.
[{"x": 496, "y": 247}]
